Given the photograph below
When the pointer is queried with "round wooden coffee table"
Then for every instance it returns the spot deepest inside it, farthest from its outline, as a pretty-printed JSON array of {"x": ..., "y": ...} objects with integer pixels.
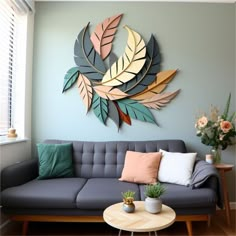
[{"x": 140, "y": 220}]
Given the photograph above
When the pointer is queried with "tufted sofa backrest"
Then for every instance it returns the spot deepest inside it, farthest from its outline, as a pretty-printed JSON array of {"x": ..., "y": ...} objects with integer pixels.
[{"x": 106, "y": 159}]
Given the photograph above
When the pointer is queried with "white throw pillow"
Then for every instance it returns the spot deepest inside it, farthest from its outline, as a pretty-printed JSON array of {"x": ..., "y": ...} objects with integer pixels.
[{"x": 176, "y": 167}]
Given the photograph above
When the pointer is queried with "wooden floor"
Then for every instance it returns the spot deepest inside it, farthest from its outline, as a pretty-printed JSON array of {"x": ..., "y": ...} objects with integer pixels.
[{"x": 218, "y": 227}]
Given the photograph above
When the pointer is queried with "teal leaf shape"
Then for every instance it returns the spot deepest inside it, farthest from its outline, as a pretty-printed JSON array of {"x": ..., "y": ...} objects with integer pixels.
[
  {"x": 86, "y": 58},
  {"x": 147, "y": 75},
  {"x": 136, "y": 110},
  {"x": 70, "y": 78},
  {"x": 100, "y": 108}
]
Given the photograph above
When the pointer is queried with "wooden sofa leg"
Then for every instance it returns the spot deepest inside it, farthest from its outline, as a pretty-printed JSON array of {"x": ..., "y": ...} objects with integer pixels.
[
  {"x": 209, "y": 221},
  {"x": 25, "y": 227},
  {"x": 189, "y": 228}
]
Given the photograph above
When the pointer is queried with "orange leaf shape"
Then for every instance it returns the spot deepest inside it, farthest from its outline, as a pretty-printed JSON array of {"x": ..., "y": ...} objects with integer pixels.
[
  {"x": 109, "y": 92},
  {"x": 85, "y": 90},
  {"x": 123, "y": 116},
  {"x": 159, "y": 100},
  {"x": 104, "y": 34},
  {"x": 160, "y": 83}
]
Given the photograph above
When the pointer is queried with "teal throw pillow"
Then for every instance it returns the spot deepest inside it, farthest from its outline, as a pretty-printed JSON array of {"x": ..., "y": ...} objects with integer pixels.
[{"x": 55, "y": 160}]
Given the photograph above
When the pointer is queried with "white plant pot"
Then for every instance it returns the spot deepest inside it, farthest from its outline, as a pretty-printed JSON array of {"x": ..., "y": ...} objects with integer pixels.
[{"x": 153, "y": 205}]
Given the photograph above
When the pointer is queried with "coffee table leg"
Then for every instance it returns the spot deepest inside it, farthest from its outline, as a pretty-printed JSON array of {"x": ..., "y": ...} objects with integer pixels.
[{"x": 150, "y": 233}]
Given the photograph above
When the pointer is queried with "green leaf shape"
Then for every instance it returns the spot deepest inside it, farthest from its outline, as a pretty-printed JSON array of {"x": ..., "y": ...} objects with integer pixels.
[
  {"x": 70, "y": 78},
  {"x": 147, "y": 75},
  {"x": 136, "y": 110},
  {"x": 100, "y": 108},
  {"x": 86, "y": 58}
]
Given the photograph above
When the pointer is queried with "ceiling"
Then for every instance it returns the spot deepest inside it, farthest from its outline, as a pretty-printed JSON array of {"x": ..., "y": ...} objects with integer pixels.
[{"x": 209, "y": 1}]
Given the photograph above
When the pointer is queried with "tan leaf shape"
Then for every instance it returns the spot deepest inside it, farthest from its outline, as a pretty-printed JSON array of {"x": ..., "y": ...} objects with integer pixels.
[
  {"x": 85, "y": 90},
  {"x": 129, "y": 64},
  {"x": 159, "y": 100},
  {"x": 110, "y": 93},
  {"x": 104, "y": 34},
  {"x": 160, "y": 83}
]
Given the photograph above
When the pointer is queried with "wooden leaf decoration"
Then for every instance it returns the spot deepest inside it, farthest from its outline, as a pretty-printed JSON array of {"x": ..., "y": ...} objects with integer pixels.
[
  {"x": 113, "y": 113},
  {"x": 129, "y": 64},
  {"x": 85, "y": 90},
  {"x": 136, "y": 110},
  {"x": 160, "y": 83},
  {"x": 86, "y": 58},
  {"x": 159, "y": 100},
  {"x": 110, "y": 93},
  {"x": 104, "y": 34},
  {"x": 112, "y": 58},
  {"x": 148, "y": 73},
  {"x": 70, "y": 78},
  {"x": 100, "y": 108},
  {"x": 124, "y": 117}
]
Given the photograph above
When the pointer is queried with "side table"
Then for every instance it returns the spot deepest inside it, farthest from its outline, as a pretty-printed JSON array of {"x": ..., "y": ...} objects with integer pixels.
[{"x": 222, "y": 168}]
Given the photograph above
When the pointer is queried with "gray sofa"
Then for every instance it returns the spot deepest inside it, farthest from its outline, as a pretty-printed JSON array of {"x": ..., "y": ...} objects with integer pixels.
[{"x": 95, "y": 186}]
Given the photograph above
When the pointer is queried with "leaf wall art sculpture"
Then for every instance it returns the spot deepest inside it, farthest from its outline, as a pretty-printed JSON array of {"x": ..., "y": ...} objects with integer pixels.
[{"x": 132, "y": 85}]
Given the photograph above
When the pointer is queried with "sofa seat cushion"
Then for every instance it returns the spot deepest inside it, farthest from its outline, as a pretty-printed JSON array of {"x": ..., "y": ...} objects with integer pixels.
[
  {"x": 99, "y": 193},
  {"x": 179, "y": 196},
  {"x": 50, "y": 193}
]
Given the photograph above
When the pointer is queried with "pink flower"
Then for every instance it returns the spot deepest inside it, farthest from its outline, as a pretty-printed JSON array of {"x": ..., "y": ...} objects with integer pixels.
[
  {"x": 225, "y": 126},
  {"x": 202, "y": 122}
]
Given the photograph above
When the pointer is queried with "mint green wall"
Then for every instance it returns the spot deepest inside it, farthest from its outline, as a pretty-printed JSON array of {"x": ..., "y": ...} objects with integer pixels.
[{"x": 196, "y": 38}]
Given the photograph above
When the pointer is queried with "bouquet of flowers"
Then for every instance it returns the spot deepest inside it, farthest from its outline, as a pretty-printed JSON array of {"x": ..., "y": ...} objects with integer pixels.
[{"x": 217, "y": 130}]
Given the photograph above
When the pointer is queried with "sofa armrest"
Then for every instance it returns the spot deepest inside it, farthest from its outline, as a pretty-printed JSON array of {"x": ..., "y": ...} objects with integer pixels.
[{"x": 19, "y": 173}]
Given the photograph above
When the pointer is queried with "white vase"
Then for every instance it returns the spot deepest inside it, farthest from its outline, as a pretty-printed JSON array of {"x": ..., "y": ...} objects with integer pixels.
[{"x": 153, "y": 205}]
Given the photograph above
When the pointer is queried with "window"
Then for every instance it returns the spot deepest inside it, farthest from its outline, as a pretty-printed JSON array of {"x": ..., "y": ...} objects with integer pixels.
[
  {"x": 8, "y": 52},
  {"x": 13, "y": 37}
]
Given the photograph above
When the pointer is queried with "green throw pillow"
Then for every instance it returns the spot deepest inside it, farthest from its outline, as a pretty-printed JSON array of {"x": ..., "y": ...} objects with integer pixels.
[{"x": 55, "y": 160}]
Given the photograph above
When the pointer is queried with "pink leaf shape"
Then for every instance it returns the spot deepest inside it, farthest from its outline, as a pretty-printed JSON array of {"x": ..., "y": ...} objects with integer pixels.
[
  {"x": 104, "y": 34},
  {"x": 159, "y": 100},
  {"x": 110, "y": 93},
  {"x": 85, "y": 90}
]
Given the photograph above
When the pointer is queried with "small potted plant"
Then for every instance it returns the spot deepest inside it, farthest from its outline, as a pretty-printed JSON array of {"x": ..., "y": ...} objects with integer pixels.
[
  {"x": 153, "y": 203},
  {"x": 128, "y": 199}
]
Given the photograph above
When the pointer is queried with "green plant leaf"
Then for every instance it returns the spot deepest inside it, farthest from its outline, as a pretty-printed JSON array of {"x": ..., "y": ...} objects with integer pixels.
[
  {"x": 100, "y": 108},
  {"x": 136, "y": 110},
  {"x": 226, "y": 111},
  {"x": 70, "y": 78},
  {"x": 86, "y": 58},
  {"x": 232, "y": 117}
]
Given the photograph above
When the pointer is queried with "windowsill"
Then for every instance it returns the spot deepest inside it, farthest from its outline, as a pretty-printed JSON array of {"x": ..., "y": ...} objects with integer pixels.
[{"x": 5, "y": 141}]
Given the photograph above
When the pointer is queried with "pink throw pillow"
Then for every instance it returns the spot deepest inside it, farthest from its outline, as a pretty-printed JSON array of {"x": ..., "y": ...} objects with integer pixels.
[{"x": 141, "y": 167}]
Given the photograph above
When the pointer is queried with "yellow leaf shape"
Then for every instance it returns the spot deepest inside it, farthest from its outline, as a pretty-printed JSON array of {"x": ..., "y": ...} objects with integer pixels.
[
  {"x": 127, "y": 66},
  {"x": 110, "y": 93},
  {"x": 159, "y": 100},
  {"x": 85, "y": 90},
  {"x": 159, "y": 84}
]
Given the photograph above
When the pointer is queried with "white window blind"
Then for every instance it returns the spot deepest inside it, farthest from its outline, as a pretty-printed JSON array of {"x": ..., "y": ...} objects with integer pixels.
[{"x": 8, "y": 65}]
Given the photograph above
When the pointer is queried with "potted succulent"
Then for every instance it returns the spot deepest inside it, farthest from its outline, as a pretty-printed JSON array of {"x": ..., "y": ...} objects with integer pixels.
[
  {"x": 128, "y": 199},
  {"x": 153, "y": 203}
]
